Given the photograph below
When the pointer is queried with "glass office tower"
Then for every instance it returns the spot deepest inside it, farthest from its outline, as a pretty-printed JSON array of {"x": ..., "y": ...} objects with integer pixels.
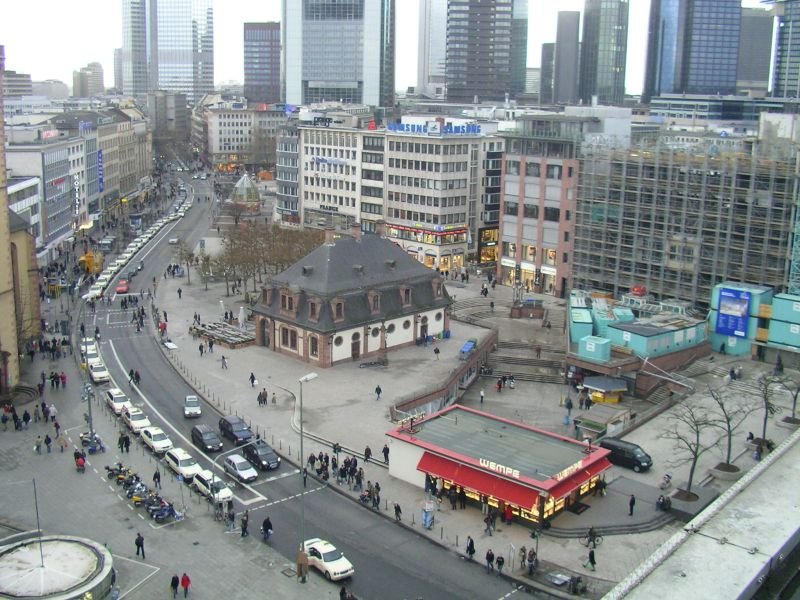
[
  {"x": 338, "y": 50},
  {"x": 603, "y": 51}
]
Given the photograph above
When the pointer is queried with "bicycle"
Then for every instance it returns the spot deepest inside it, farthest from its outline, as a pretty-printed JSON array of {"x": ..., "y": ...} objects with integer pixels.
[{"x": 598, "y": 539}]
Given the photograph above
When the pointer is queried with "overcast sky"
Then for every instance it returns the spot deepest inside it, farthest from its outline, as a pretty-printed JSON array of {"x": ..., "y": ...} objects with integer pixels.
[{"x": 51, "y": 38}]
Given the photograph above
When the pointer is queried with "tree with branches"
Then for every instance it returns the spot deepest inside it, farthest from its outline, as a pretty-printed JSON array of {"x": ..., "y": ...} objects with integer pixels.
[
  {"x": 687, "y": 425},
  {"x": 185, "y": 256},
  {"x": 792, "y": 387},
  {"x": 767, "y": 386},
  {"x": 730, "y": 414}
]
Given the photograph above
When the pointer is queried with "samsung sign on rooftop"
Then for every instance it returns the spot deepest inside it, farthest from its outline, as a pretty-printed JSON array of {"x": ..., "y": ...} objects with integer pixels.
[{"x": 434, "y": 128}]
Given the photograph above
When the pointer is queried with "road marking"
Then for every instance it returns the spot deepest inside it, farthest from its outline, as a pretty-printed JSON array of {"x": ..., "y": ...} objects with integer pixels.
[
  {"x": 281, "y": 476},
  {"x": 131, "y": 590},
  {"x": 179, "y": 434}
]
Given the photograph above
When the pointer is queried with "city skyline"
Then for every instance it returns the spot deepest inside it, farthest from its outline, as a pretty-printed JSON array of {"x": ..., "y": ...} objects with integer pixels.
[{"x": 23, "y": 51}]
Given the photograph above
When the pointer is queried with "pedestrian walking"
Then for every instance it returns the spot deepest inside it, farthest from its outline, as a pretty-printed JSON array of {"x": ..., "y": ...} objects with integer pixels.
[
  {"x": 48, "y": 442},
  {"x": 38, "y": 445},
  {"x": 210, "y": 342},
  {"x": 245, "y": 521},
  {"x": 483, "y": 393},
  {"x": 157, "y": 479},
  {"x": 590, "y": 563},
  {"x": 436, "y": 353},
  {"x": 462, "y": 498},
  {"x": 488, "y": 522},
  {"x": 397, "y": 512},
  {"x": 180, "y": 293},
  {"x": 631, "y": 504},
  {"x": 36, "y": 416},
  {"x": 201, "y": 349},
  {"x": 231, "y": 519},
  {"x": 386, "y": 454},
  {"x": 26, "y": 419},
  {"x": 61, "y": 441},
  {"x": 174, "y": 585},
  {"x": 140, "y": 545},
  {"x": 126, "y": 441},
  {"x": 52, "y": 412},
  {"x": 378, "y": 392},
  {"x": 531, "y": 561},
  {"x": 185, "y": 583},
  {"x": 252, "y": 379},
  {"x": 367, "y": 454},
  {"x": 489, "y": 561},
  {"x": 569, "y": 405},
  {"x": 523, "y": 553},
  {"x": 121, "y": 442},
  {"x": 470, "y": 547},
  {"x": 224, "y": 362},
  {"x": 500, "y": 563}
]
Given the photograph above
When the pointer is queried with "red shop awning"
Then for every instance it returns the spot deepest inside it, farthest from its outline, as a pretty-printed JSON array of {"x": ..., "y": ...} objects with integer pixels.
[
  {"x": 480, "y": 481},
  {"x": 578, "y": 478}
]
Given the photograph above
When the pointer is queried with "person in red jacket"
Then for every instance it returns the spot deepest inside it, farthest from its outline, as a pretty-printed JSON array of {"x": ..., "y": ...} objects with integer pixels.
[{"x": 185, "y": 583}]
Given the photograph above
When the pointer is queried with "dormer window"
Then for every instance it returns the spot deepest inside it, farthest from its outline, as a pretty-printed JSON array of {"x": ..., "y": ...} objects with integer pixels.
[
  {"x": 312, "y": 310},
  {"x": 339, "y": 310},
  {"x": 376, "y": 303},
  {"x": 287, "y": 302},
  {"x": 405, "y": 294}
]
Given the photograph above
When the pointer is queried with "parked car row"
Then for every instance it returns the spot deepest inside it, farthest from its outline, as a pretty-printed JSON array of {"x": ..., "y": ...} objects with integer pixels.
[{"x": 122, "y": 262}]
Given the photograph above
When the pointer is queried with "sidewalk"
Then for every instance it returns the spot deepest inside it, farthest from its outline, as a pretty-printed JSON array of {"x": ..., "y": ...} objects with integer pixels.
[{"x": 340, "y": 406}]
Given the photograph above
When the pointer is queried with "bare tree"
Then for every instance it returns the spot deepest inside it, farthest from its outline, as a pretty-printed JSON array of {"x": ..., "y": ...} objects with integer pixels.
[
  {"x": 792, "y": 386},
  {"x": 688, "y": 423},
  {"x": 185, "y": 256},
  {"x": 730, "y": 416},
  {"x": 263, "y": 150},
  {"x": 766, "y": 391},
  {"x": 204, "y": 266},
  {"x": 225, "y": 264}
]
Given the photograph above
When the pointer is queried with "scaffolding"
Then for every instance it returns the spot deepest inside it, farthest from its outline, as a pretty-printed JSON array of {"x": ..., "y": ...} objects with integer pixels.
[{"x": 679, "y": 220}]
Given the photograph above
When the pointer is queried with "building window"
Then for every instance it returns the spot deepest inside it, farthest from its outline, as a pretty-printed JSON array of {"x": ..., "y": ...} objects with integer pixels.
[
  {"x": 339, "y": 310},
  {"x": 510, "y": 249},
  {"x": 511, "y": 208},
  {"x": 406, "y": 324},
  {"x": 287, "y": 302},
  {"x": 376, "y": 303},
  {"x": 390, "y": 328},
  {"x": 565, "y": 258},
  {"x": 355, "y": 337},
  {"x": 512, "y": 167},
  {"x": 375, "y": 331},
  {"x": 552, "y": 214},
  {"x": 554, "y": 171},
  {"x": 528, "y": 253},
  {"x": 338, "y": 341},
  {"x": 313, "y": 346},
  {"x": 438, "y": 316},
  {"x": 566, "y": 236},
  {"x": 532, "y": 169},
  {"x": 312, "y": 310},
  {"x": 530, "y": 211},
  {"x": 406, "y": 296},
  {"x": 549, "y": 256},
  {"x": 289, "y": 338}
]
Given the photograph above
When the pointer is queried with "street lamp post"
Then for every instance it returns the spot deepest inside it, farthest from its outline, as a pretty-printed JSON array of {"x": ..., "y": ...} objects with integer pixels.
[{"x": 304, "y": 379}]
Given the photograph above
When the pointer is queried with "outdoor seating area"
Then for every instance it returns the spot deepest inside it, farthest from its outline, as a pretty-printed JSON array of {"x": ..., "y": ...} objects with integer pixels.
[{"x": 224, "y": 334}]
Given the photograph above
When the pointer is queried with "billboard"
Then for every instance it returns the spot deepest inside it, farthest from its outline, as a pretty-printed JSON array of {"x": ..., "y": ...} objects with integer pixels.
[{"x": 734, "y": 308}]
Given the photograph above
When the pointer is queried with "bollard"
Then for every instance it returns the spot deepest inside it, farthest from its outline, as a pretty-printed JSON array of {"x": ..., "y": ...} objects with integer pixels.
[
  {"x": 456, "y": 541},
  {"x": 441, "y": 535},
  {"x": 413, "y": 522}
]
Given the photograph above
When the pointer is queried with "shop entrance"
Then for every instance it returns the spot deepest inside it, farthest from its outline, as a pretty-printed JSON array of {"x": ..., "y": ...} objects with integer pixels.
[{"x": 355, "y": 346}]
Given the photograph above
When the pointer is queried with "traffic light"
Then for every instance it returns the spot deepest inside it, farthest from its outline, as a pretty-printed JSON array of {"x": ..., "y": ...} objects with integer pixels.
[{"x": 518, "y": 274}]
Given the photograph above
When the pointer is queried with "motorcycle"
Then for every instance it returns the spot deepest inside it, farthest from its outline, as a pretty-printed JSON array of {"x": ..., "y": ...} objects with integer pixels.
[
  {"x": 129, "y": 481},
  {"x": 666, "y": 481},
  {"x": 158, "y": 506},
  {"x": 92, "y": 443},
  {"x": 80, "y": 465},
  {"x": 140, "y": 489},
  {"x": 117, "y": 470},
  {"x": 152, "y": 500},
  {"x": 166, "y": 512}
]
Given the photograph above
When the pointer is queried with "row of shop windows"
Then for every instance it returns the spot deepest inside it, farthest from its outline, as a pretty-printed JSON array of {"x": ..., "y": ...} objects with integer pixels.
[
  {"x": 424, "y": 217},
  {"x": 426, "y": 237},
  {"x": 528, "y": 252}
]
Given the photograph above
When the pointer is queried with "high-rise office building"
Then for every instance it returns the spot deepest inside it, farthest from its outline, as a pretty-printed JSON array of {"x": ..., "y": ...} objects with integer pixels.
[
  {"x": 118, "y": 69},
  {"x": 88, "y": 81},
  {"x": 17, "y": 84},
  {"x": 135, "y": 50},
  {"x": 480, "y": 58},
  {"x": 565, "y": 73},
  {"x": 338, "y": 50},
  {"x": 432, "y": 48},
  {"x": 519, "y": 46},
  {"x": 262, "y": 62},
  {"x": 546, "y": 83},
  {"x": 603, "y": 51},
  {"x": 786, "y": 72},
  {"x": 755, "y": 51},
  {"x": 693, "y": 47},
  {"x": 168, "y": 45}
]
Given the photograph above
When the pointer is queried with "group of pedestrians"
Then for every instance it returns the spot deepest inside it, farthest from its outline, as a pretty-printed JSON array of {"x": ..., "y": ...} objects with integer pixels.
[{"x": 263, "y": 397}]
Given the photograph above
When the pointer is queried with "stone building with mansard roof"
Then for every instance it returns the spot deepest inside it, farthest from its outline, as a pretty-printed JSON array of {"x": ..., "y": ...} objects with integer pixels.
[{"x": 354, "y": 298}]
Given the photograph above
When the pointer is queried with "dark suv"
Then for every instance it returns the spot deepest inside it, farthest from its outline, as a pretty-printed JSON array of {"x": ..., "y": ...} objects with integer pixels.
[
  {"x": 261, "y": 455},
  {"x": 235, "y": 430},
  {"x": 206, "y": 438}
]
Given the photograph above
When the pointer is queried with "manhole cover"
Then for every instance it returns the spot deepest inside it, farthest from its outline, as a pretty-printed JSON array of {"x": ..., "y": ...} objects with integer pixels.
[{"x": 289, "y": 572}]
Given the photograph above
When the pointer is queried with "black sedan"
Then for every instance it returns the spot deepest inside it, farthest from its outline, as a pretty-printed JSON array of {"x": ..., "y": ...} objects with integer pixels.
[{"x": 261, "y": 455}]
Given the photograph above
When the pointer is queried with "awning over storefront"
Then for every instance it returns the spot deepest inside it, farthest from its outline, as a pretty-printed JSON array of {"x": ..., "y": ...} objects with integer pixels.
[
  {"x": 471, "y": 478},
  {"x": 576, "y": 479}
]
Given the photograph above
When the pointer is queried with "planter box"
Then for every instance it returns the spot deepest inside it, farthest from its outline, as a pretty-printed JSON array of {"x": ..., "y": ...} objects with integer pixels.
[
  {"x": 726, "y": 474},
  {"x": 787, "y": 423}
]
